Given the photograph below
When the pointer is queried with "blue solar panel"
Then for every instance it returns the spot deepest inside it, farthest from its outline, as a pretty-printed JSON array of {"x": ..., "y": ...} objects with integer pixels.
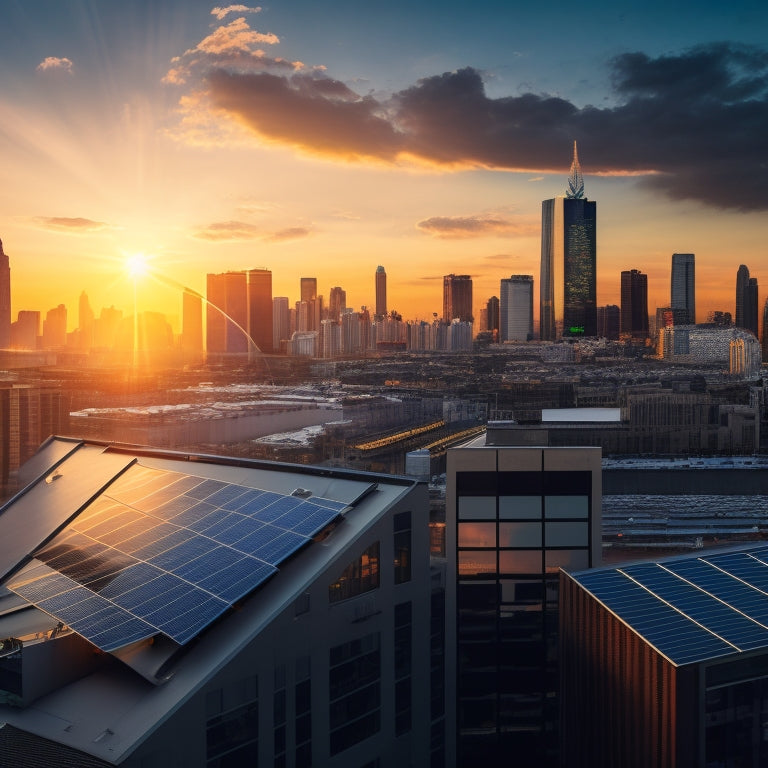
[{"x": 164, "y": 552}]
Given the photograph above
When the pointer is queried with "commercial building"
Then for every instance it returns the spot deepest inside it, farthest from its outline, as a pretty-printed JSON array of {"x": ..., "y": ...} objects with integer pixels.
[
  {"x": 260, "y": 310},
  {"x": 568, "y": 281},
  {"x": 516, "y": 308},
  {"x": 161, "y": 609},
  {"x": 514, "y": 517},
  {"x": 457, "y": 298},
  {"x": 683, "y": 285},
  {"x": 746, "y": 300},
  {"x": 634, "y": 304},
  {"x": 5, "y": 299},
  {"x": 381, "y": 293},
  {"x": 608, "y": 321},
  {"x": 670, "y": 660},
  {"x": 226, "y": 314}
]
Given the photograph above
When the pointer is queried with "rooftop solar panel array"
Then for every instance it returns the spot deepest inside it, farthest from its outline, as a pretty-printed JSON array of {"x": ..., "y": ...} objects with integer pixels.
[
  {"x": 164, "y": 552},
  {"x": 690, "y": 609}
]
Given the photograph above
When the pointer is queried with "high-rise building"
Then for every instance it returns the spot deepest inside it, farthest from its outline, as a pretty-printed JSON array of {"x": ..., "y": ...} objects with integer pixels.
[
  {"x": 683, "y": 284},
  {"x": 516, "y": 308},
  {"x": 281, "y": 323},
  {"x": 192, "y": 323},
  {"x": 381, "y": 293},
  {"x": 227, "y": 313},
  {"x": 746, "y": 300},
  {"x": 260, "y": 308},
  {"x": 457, "y": 298},
  {"x": 634, "y": 304},
  {"x": 26, "y": 330},
  {"x": 608, "y": 321},
  {"x": 764, "y": 338},
  {"x": 5, "y": 299},
  {"x": 55, "y": 328},
  {"x": 568, "y": 284},
  {"x": 337, "y": 303},
  {"x": 308, "y": 287},
  {"x": 492, "y": 311}
]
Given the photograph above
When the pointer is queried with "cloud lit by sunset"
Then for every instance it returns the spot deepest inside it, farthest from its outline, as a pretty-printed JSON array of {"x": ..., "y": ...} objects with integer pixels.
[{"x": 219, "y": 137}]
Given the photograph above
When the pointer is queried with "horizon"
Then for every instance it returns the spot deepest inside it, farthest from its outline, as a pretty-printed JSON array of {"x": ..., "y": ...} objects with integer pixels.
[{"x": 326, "y": 142}]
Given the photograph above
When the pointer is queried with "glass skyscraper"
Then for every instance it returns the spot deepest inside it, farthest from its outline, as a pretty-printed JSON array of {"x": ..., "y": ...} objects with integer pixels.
[
  {"x": 568, "y": 303},
  {"x": 683, "y": 293},
  {"x": 516, "y": 308}
]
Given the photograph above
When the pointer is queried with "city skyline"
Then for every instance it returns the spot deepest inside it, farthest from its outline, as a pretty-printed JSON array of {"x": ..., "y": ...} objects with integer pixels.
[{"x": 309, "y": 141}]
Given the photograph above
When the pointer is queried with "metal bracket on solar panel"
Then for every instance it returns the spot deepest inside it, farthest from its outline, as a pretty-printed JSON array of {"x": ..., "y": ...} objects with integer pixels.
[{"x": 302, "y": 493}]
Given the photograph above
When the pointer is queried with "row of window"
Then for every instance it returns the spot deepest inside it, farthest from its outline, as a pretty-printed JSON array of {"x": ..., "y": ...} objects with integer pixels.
[
  {"x": 485, "y": 562},
  {"x": 571, "y": 507}
]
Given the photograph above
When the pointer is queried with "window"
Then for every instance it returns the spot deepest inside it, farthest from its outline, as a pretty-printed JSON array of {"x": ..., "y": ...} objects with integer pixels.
[
  {"x": 402, "y": 542},
  {"x": 232, "y": 738},
  {"x": 358, "y": 577}
]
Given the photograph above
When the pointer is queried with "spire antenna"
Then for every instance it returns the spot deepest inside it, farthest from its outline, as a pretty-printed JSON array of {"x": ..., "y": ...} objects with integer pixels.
[{"x": 575, "y": 180}]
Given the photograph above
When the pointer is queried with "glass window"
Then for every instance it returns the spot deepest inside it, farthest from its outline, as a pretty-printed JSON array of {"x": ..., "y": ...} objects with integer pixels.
[
  {"x": 566, "y": 534},
  {"x": 358, "y": 577},
  {"x": 474, "y": 561},
  {"x": 570, "y": 559},
  {"x": 520, "y": 561},
  {"x": 519, "y": 534},
  {"x": 566, "y": 507},
  {"x": 519, "y": 507},
  {"x": 477, "y": 535},
  {"x": 521, "y": 592},
  {"x": 477, "y": 507}
]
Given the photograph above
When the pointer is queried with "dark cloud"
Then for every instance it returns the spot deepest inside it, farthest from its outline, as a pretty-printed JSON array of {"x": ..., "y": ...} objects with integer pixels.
[{"x": 694, "y": 125}]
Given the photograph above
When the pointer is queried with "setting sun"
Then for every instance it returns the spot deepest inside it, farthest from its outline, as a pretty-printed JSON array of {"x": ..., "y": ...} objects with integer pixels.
[{"x": 137, "y": 265}]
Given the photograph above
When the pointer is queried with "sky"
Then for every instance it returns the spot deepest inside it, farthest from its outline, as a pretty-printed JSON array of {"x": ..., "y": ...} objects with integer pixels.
[{"x": 325, "y": 139}]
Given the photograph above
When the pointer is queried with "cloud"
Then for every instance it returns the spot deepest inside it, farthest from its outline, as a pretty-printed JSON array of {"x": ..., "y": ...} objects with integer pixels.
[
  {"x": 692, "y": 125},
  {"x": 220, "y": 13},
  {"x": 239, "y": 230},
  {"x": 484, "y": 225},
  {"x": 56, "y": 64},
  {"x": 76, "y": 226}
]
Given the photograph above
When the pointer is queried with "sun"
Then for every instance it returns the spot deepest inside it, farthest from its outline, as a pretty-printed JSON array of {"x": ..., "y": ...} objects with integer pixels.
[{"x": 137, "y": 265}]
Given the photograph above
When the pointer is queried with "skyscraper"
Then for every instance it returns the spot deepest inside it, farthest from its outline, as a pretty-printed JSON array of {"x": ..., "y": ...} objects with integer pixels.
[
  {"x": 764, "y": 339},
  {"x": 516, "y": 308},
  {"x": 281, "y": 322},
  {"x": 337, "y": 303},
  {"x": 608, "y": 321},
  {"x": 260, "y": 308},
  {"x": 634, "y": 304},
  {"x": 5, "y": 299},
  {"x": 493, "y": 314},
  {"x": 683, "y": 288},
  {"x": 381, "y": 293},
  {"x": 192, "y": 323},
  {"x": 227, "y": 313},
  {"x": 457, "y": 298},
  {"x": 746, "y": 300},
  {"x": 568, "y": 285},
  {"x": 310, "y": 313}
]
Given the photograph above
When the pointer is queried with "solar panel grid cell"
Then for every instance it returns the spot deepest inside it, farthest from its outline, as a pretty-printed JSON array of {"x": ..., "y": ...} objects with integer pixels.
[
  {"x": 205, "y": 488},
  {"x": 173, "y": 507},
  {"x": 249, "y": 497},
  {"x": 227, "y": 495},
  {"x": 238, "y": 530},
  {"x": 280, "y": 548}
]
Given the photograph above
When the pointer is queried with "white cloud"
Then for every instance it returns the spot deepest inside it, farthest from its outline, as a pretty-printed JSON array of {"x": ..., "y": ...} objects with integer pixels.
[
  {"x": 220, "y": 13},
  {"x": 55, "y": 63}
]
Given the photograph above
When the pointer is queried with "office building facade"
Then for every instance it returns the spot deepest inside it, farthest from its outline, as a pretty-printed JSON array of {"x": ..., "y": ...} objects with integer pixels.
[
  {"x": 514, "y": 516},
  {"x": 516, "y": 308},
  {"x": 746, "y": 300},
  {"x": 457, "y": 298},
  {"x": 683, "y": 285},
  {"x": 5, "y": 299},
  {"x": 634, "y": 304},
  {"x": 608, "y": 321},
  {"x": 568, "y": 279},
  {"x": 260, "y": 310}
]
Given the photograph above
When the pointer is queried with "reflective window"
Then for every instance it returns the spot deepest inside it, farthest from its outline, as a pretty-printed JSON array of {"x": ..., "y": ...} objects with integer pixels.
[
  {"x": 477, "y": 507},
  {"x": 473, "y": 562},
  {"x": 519, "y": 534},
  {"x": 566, "y": 507},
  {"x": 519, "y": 561},
  {"x": 477, "y": 535},
  {"x": 358, "y": 577},
  {"x": 566, "y": 534},
  {"x": 570, "y": 559},
  {"x": 519, "y": 507}
]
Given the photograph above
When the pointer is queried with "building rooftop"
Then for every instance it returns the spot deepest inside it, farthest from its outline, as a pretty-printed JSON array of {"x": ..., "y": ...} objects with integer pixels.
[
  {"x": 690, "y": 608},
  {"x": 159, "y": 566}
]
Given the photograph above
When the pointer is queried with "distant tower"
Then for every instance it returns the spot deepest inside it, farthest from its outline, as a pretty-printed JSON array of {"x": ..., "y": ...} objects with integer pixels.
[
  {"x": 457, "y": 298},
  {"x": 634, "y": 304},
  {"x": 608, "y": 321},
  {"x": 281, "y": 322},
  {"x": 5, "y": 299},
  {"x": 683, "y": 284},
  {"x": 226, "y": 313},
  {"x": 746, "y": 300},
  {"x": 764, "y": 338},
  {"x": 85, "y": 318},
  {"x": 493, "y": 314},
  {"x": 381, "y": 293},
  {"x": 260, "y": 308},
  {"x": 337, "y": 303},
  {"x": 568, "y": 284},
  {"x": 516, "y": 308}
]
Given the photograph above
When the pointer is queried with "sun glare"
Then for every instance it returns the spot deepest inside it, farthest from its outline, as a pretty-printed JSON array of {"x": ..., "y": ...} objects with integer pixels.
[{"x": 137, "y": 265}]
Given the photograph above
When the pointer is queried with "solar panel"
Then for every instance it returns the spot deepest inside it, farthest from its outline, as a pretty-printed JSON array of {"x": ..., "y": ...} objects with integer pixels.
[{"x": 165, "y": 552}]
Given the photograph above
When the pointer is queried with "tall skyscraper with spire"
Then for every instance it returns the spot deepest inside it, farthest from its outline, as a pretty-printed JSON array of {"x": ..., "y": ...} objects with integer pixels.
[
  {"x": 683, "y": 288},
  {"x": 568, "y": 284},
  {"x": 5, "y": 299}
]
